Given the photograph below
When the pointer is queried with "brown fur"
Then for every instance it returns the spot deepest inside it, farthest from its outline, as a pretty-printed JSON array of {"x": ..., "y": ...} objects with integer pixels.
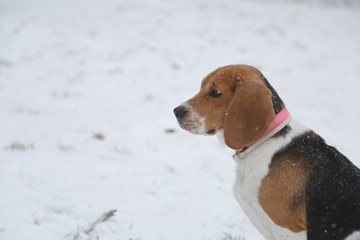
[
  {"x": 244, "y": 110},
  {"x": 249, "y": 114},
  {"x": 282, "y": 192}
]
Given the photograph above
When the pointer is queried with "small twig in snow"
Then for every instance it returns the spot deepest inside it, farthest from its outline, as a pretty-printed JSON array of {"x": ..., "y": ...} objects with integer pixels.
[{"x": 106, "y": 216}]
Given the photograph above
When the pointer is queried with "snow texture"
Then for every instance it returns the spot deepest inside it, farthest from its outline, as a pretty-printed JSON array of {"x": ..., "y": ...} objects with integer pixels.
[{"x": 87, "y": 90}]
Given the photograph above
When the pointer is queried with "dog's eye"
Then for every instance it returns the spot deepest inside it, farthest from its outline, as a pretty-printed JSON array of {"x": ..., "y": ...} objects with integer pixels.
[{"x": 214, "y": 93}]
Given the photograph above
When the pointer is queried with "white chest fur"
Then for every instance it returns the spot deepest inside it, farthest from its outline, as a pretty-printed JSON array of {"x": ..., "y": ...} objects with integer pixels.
[{"x": 251, "y": 169}]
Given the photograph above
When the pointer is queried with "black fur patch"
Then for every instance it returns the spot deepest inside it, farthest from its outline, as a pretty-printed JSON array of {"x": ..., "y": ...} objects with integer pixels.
[
  {"x": 332, "y": 192},
  {"x": 283, "y": 132},
  {"x": 278, "y": 104}
]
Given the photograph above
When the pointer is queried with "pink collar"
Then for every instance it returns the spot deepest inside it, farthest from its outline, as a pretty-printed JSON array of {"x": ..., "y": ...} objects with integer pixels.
[{"x": 281, "y": 120}]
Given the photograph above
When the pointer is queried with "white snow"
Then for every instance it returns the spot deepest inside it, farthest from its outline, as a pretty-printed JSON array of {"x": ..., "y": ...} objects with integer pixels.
[{"x": 72, "y": 71}]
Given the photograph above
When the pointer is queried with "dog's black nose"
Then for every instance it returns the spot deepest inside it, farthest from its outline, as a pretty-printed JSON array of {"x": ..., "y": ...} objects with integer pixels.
[{"x": 180, "y": 112}]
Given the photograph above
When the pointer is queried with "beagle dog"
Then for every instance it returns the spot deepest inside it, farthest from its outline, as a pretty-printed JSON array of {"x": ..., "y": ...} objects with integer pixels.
[{"x": 289, "y": 182}]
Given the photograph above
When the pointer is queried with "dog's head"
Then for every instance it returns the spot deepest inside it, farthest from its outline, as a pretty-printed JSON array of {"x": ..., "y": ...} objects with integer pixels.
[{"x": 235, "y": 98}]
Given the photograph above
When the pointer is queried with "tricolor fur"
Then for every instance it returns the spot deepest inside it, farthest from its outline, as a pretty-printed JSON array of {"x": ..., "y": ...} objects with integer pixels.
[{"x": 292, "y": 185}]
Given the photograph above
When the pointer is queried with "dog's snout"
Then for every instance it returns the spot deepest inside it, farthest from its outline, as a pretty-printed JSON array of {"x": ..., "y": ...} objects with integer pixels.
[{"x": 180, "y": 112}]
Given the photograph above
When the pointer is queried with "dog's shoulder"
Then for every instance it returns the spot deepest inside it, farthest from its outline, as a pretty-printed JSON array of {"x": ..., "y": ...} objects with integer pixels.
[{"x": 312, "y": 186}]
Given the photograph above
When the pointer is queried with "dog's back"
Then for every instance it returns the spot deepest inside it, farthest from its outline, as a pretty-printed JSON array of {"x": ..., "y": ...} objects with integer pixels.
[{"x": 332, "y": 191}]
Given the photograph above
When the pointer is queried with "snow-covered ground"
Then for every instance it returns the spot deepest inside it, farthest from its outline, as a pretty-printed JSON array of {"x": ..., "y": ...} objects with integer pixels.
[{"x": 87, "y": 90}]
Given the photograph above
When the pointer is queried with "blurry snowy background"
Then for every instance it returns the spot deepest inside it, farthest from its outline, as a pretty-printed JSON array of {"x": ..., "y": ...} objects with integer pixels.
[{"x": 87, "y": 90}]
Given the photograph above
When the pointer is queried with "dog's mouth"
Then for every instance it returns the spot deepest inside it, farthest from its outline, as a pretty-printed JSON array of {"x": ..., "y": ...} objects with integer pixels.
[
  {"x": 193, "y": 128},
  {"x": 181, "y": 124},
  {"x": 211, "y": 131},
  {"x": 186, "y": 126}
]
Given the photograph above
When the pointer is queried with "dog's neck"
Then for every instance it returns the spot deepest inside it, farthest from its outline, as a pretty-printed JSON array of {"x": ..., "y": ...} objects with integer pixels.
[{"x": 282, "y": 119}]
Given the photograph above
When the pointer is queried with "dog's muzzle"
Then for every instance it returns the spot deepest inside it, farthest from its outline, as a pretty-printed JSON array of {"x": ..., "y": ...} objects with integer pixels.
[{"x": 180, "y": 113}]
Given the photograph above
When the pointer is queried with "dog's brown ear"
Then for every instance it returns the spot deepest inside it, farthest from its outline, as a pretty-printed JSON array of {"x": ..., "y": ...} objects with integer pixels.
[{"x": 248, "y": 115}]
